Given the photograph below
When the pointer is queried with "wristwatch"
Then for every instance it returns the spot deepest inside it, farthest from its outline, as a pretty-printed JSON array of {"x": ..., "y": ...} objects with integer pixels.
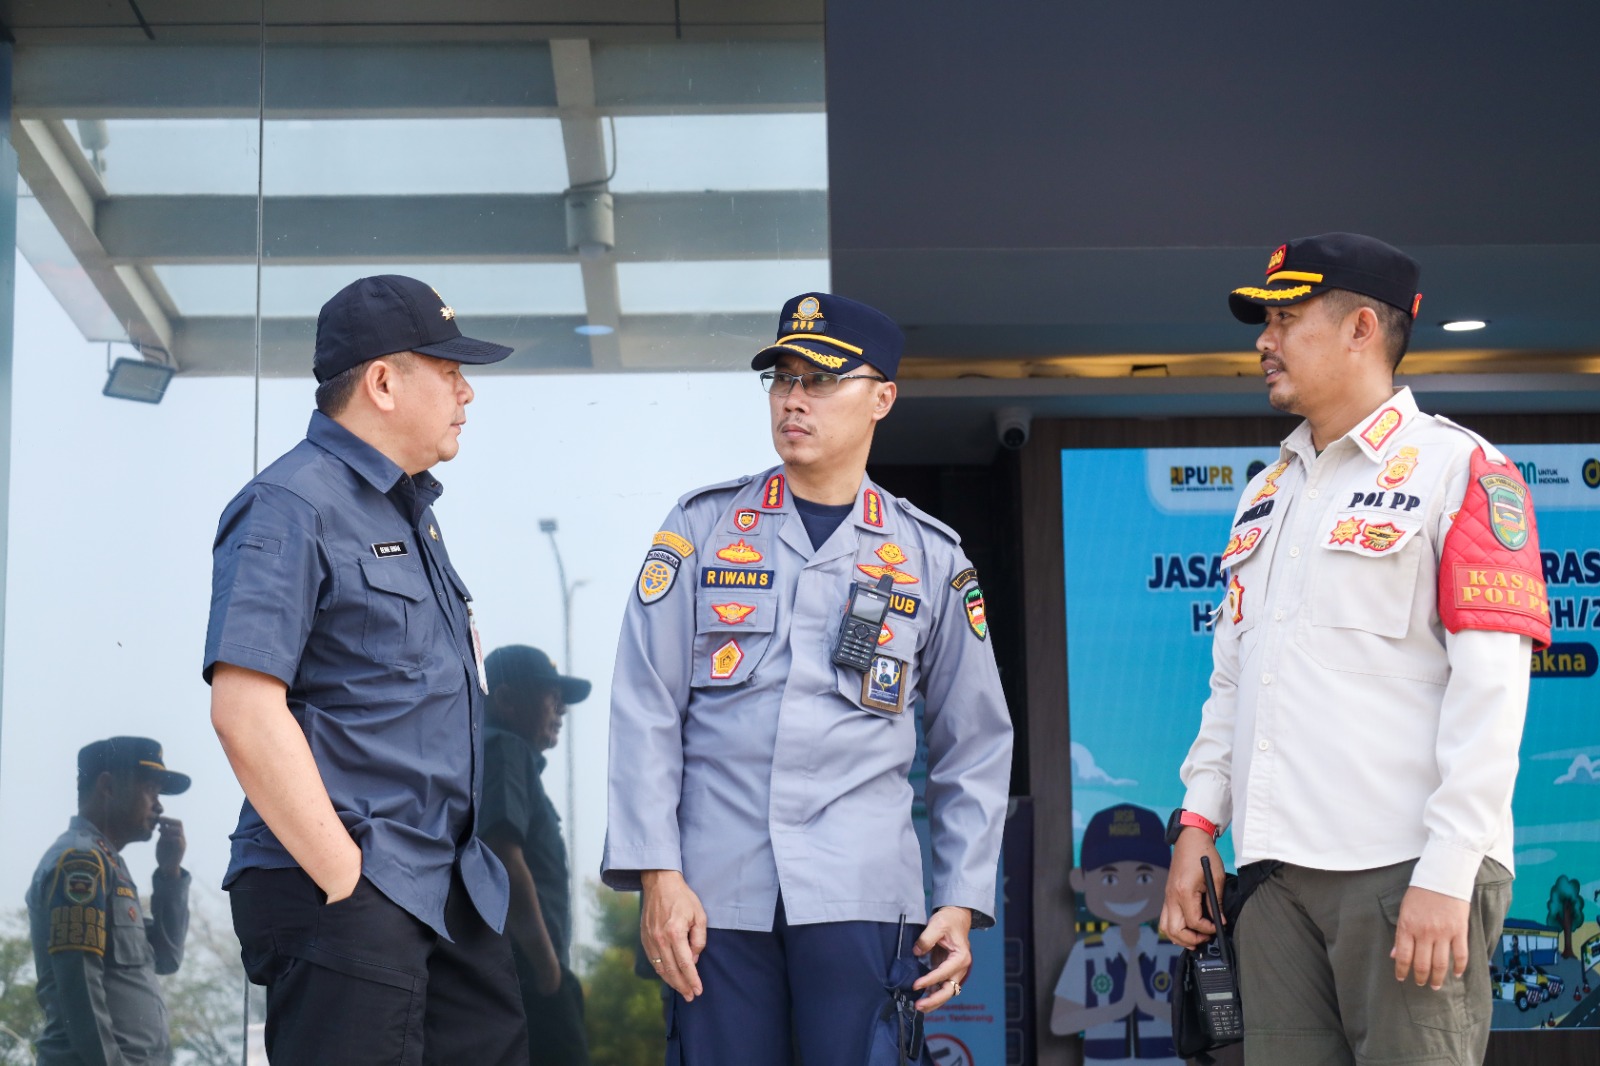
[{"x": 1181, "y": 819}]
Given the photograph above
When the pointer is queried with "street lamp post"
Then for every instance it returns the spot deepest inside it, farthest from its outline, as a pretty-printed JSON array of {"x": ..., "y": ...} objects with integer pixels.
[{"x": 547, "y": 526}]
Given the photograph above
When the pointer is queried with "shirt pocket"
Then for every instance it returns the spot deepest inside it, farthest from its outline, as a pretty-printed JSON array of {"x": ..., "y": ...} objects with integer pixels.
[
  {"x": 130, "y": 946},
  {"x": 733, "y": 632},
  {"x": 1363, "y": 594},
  {"x": 395, "y": 629}
]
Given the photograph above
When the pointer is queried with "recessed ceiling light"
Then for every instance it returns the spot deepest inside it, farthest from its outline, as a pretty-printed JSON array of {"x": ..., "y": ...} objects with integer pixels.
[
  {"x": 592, "y": 331},
  {"x": 1463, "y": 325}
]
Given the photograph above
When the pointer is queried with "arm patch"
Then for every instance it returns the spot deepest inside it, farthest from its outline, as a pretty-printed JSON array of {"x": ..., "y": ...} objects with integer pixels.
[
  {"x": 1490, "y": 576},
  {"x": 78, "y": 903}
]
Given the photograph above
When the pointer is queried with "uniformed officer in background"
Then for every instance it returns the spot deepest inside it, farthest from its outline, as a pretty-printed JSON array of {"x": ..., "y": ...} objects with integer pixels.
[
  {"x": 528, "y": 698},
  {"x": 95, "y": 952},
  {"x": 759, "y": 792}
]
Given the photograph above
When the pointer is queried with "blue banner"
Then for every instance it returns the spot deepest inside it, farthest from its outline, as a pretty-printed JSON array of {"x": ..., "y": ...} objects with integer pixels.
[{"x": 1143, "y": 533}]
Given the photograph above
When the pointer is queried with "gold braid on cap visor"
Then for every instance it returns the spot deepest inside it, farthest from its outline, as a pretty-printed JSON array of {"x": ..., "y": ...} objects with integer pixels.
[
  {"x": 1274, "y": 294},
  {"x": 832, "y": 362}
]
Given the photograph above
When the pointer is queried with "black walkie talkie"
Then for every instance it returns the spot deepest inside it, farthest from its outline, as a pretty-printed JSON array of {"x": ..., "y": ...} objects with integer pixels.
[
  {"x": 1215, "y": 977},
  {"x": 863, "y": 620}
]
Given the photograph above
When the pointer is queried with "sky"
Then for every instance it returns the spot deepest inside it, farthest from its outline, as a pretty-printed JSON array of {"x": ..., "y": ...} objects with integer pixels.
[{"x": 113, "y": 507}]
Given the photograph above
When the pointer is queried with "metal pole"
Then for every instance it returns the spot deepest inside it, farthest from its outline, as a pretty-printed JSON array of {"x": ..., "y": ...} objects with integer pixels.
[{"x": 548, "y": 527}]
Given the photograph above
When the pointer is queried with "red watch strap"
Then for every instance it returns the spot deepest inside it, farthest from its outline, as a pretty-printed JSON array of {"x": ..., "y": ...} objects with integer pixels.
[{"x": 1192, "y": 819}]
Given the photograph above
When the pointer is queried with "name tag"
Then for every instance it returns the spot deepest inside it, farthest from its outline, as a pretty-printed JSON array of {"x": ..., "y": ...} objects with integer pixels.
[{"x": 390, "y": 549}]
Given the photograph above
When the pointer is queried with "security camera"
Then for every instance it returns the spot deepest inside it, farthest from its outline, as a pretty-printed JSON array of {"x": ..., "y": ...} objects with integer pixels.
[{"x": 1011, "y": 425}]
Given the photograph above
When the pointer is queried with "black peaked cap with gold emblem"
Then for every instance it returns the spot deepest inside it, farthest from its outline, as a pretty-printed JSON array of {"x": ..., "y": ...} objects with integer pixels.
[
  {"x": 1310, "y": 266},
  {"x": 390, "y": 313},
  {"x": 835, "y": 334}
]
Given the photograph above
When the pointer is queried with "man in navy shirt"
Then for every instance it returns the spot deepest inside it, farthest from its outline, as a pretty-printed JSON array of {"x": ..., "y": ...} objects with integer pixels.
[{"x": 347, "y": 688}]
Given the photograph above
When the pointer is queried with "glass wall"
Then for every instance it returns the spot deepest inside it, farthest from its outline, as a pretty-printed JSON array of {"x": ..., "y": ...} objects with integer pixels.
[{"x": 190, "y": 201}]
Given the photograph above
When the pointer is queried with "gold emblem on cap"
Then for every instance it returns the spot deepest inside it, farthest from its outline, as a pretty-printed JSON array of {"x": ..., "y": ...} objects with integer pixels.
[
  {"x": 806, "y": 315},
  {"x": 447, "y": 311}
]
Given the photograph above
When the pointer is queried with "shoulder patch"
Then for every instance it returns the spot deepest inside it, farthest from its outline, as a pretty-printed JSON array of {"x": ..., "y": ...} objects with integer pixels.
[
  {"x": 1490, "y": 574},
  {"x": 77, "y": 902},
  {"x": 669, "y": 539},
  {"x": 927, "y": 519}
]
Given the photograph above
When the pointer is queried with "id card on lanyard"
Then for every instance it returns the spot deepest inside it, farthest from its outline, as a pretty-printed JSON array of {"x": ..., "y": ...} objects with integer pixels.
[{"x": 477, "y": 650}]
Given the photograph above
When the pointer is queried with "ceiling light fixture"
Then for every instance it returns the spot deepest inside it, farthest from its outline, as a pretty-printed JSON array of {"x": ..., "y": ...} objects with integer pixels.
[
  {"x": 592, "y": 330},
  {"x": 1462, "y": 325}
]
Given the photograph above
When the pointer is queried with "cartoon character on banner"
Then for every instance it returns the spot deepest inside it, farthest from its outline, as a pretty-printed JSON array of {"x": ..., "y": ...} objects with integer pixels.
[{"x": 1117, "y": 984}]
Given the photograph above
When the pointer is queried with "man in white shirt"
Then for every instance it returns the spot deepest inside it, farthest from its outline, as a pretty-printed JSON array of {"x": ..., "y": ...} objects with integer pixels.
[{"x": 1370, "y": 678}]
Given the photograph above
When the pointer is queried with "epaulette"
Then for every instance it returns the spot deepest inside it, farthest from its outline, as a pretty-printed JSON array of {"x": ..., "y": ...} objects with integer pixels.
[
  {"x": 706, "y": 490},
  {"x": 1493, "y": 454},
  {"x": 927, "y": 519}
]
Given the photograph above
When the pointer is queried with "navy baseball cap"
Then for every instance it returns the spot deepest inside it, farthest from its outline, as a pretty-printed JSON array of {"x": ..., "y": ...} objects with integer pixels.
[
  {"x": 836, "y": 334},
  {"x": 391, "y": 313},
  {"x": 527, "y": 668},
  {"x": 1125, "y": 833},
  {"x": 129, "y": 753},
  {"x": 1310, "y": 266}
]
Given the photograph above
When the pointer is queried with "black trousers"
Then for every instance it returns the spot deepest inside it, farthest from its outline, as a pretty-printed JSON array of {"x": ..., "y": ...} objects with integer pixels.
[
  {"x": 555, "y": 1022},
  {"x": 362, "y": 982}
]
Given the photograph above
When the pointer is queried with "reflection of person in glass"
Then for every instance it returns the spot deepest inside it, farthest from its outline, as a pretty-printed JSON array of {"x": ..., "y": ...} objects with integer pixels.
[
  {"x": 1369, "y": 685},
  {"x": 528, "y": 697},
  {"x": 95, "y": 951},
  {"x": 1116, "y": 987},
  {"x": 348, "y": 692},
  {"x": 759, "y": 788}
]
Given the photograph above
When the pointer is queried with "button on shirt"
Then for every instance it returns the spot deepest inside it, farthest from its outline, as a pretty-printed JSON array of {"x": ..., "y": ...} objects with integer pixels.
[
  {"x": 744, "y": 757},
  {"x": 1346, "y": 728},
  {"x": 330, "y": 574}
]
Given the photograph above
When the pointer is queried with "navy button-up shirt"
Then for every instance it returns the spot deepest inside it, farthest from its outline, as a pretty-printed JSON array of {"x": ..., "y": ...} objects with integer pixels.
[{"x": 329, "y": 573}]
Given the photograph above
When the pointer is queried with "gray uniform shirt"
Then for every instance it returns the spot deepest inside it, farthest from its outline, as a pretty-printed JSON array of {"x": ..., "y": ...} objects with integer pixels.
[
  {"x": 742, "y": 756},
  {"x": 97, "y": 954}
]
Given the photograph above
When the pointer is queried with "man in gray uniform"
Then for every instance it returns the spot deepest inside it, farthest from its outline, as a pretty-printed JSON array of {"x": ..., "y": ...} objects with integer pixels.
[
  {"x": 759, "y": 790},
  {"x": 95, "y": 952}
]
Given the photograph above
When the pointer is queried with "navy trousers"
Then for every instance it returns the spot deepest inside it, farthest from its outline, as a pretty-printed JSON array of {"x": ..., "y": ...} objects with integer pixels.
[{"x": 809, "y": 990}]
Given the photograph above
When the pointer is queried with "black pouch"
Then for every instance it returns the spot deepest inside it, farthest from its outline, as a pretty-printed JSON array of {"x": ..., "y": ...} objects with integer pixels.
[{"x": 1191, "y": 1036}]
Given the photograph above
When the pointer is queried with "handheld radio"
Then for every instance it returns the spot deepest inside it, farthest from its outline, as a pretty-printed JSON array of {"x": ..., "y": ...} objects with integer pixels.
[
  {"x": 1215, "y": 976},
  {"x": 863, "y": 620}
]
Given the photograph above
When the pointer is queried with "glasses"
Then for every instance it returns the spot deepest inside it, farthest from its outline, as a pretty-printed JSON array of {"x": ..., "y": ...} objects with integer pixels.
[{"x": 817, "y": 384}]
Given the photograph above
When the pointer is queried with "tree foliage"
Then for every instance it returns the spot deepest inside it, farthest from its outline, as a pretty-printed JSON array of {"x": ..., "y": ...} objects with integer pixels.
[
  {"x": 622, "y": 1011},
  {"x": 1566, "y": 910},
  {"x": 21, "y": 1020}
]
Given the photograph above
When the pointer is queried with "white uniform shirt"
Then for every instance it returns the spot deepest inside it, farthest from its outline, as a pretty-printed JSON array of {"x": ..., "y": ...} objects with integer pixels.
[{"x": 1346, "y": 728}]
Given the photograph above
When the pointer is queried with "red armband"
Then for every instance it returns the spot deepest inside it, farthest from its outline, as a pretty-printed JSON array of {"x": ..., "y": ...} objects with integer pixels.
[{"x": 1489, "y": 571}]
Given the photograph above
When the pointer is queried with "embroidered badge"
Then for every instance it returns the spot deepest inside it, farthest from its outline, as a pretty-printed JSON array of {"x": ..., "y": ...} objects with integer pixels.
[
  {"x": 1260, "y": 510},
  {"x": 891, "y": 554},
  {"x": 772, "y": 495},
  {"x": 390, "y": 549},
  {"x": 660, "y": 570},
  {"x": 741, "y": 553},
  {"x": 725, "y": 660},
  {"x": 875, "y": 572},
  {"x": 1380, "y": 536},
  {"x": 807, "y": 317},
  {"x": 885, "y": 635},
  {"x": 882, "y": 687},
  {"x": 1345, "y": 531},
  {"x": 79, "y": 881},
  {"x": 904, "y": 603},
  {"x": 1275, "y": 260},
  {"x": 717, "y": 577},
  {"x": 1236, "y": 599},
  {"x": 1508, "y": 515},
  {"x": 668, "y": 539},
  {"x": 872, "y": 509},
  {"x": 1269, "y": 485},
  {"x": 745, "y": 521},
  {"x": 1381, "y": 428},
  {"x": 1102, "y": 984},
  {"x": 975, "y": 614},
  {"x": 732, "y": 613},
  {"x": 961, "y": 579},
  {"x": 1239, "y": 544},
  {"x": 1400, "y": 469}
]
